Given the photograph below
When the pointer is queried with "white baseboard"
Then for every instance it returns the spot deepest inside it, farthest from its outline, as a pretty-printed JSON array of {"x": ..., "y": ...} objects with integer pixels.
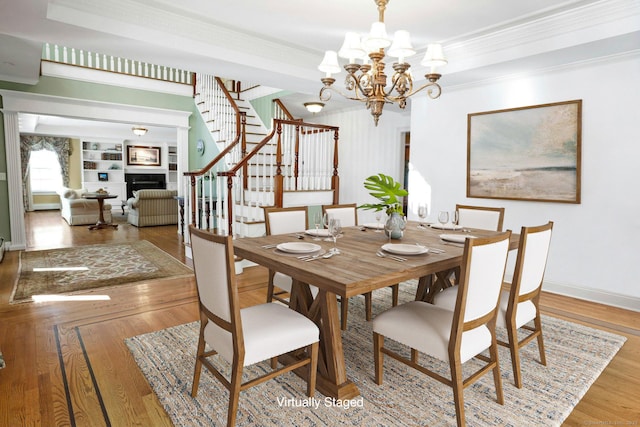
[
  {"x": 594, "y": 295},
  {"x": 46, "y": 206}
]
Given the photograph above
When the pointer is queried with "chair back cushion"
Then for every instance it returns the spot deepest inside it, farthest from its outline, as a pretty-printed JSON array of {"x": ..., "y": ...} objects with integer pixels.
[
  {"x": 533, "y": 258},
  {"x": 345, "y": 213},
  {"x": 285, "y": 220},
  {"x": 477, "y": 217},
  {"x": 211, "y": 267},
  {"x": 486, "y": 265}
]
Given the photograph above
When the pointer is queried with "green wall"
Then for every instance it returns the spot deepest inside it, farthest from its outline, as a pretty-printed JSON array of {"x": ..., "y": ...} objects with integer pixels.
[
  {"x": 264, "y": 106},
  {"x": 105, "y": 93}
]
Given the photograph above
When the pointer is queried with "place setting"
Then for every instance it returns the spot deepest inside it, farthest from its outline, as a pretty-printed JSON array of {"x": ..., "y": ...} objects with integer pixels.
[{"x": 398, "y": 251}]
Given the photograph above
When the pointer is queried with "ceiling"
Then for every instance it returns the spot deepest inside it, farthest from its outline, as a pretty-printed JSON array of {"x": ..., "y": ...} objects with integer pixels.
[{"x": 279, "y": 43}]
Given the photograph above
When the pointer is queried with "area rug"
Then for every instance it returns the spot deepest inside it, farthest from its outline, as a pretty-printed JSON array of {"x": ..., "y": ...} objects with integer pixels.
[
  {"x": 82, "y": 268},
  {"x": 576, "y": 355}
]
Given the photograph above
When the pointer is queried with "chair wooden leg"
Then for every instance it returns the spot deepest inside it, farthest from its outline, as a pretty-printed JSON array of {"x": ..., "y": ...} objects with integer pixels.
[
  {"x": 313, "y": 369},
  {"x": 458, "y": 390},
  {"x": 378, "y": 358},
  {"x": 538, "y": 324},
  {"x": 344, "y": 310},
  {"x": 368, "y": 311},
  {"x": 198, "y": 367},
  {"x": 234, "y": 395},
  {"x": 395, "y": 290},
  {"x": 274, "y": 363},
  {"x": 514, "y": 348},
  {"x": 497, "y": 380}
]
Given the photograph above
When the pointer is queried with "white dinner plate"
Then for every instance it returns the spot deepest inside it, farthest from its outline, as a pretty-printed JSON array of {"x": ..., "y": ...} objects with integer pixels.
[
  {"x": 446, "y": 226},
  {"x": 321, "y": 232},
  {"x": 456, "y": 238},
  {"x": 374, "y": 225},
  {"x": 298, "y": 247},
  {"x": 404, "y": 249}
]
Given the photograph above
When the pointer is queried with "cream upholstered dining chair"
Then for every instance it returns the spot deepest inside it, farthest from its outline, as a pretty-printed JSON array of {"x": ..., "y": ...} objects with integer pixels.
[
  {"x": 482, "y": 217},
  {"x": 348, "y": 216},
  {"x": 453, "y": 336},
  {"x": 283, "y": 221},
  {"x": 519, "y": 300},
  {"x": 245, "y": 336}
]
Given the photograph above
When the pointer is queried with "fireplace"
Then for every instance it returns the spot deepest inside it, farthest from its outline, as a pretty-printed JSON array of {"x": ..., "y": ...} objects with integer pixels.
[{"x": 139, "y": 181}]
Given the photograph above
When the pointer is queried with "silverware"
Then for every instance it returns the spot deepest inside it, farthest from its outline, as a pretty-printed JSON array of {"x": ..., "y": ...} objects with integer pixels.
[
  {"x": 269, "y": 246},
  {"x": 393, "y": 257},
  {"x": 460, "y": 245},
  {"x": 324, "y": 256},
  {"x": 433, "y": 250}
]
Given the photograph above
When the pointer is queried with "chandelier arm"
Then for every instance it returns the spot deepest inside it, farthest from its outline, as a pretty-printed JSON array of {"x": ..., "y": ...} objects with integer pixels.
[
  {"x": 325, "y": 94},
  {"x": 434, "y": 90}
]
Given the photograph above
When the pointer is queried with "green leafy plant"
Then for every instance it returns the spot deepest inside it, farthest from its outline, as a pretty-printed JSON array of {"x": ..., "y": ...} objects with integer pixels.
[{"x": 387, "y": 190}]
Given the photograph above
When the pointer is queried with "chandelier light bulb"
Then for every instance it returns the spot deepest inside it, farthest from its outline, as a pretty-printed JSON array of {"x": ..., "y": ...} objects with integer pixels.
[{"x": 329, "y": 64}]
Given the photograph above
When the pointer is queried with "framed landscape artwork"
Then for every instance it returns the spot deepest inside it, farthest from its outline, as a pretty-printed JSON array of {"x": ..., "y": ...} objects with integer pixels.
[
  {"x": 528, "y": 153},
  {"x": 143, "y": 156}
]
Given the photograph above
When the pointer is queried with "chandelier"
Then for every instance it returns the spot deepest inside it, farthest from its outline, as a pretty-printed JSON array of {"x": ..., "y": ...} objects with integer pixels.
[
  {"x": 369, "y": 85},
  {"x": 139, "y": 130}
]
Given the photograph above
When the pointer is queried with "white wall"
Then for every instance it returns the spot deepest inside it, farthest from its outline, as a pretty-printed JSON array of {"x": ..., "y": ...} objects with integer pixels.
[
  {"x": 595, "y": 251},
  {"x": 366, "y": 150}
]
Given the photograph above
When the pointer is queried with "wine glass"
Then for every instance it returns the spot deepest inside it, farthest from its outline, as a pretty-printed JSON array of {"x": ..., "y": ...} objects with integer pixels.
[
  {"x": 454, "y": 219},
  {"x": 422, "y": 211},
  {"x": 326, "y": 219},
  {"x": 317, "y": 221},
  {"x": 378, "y": 218},
  {"x": 388, "y": 227},
  {"x": 335, "y": 228},
  {"x": 443, "y": 218}
]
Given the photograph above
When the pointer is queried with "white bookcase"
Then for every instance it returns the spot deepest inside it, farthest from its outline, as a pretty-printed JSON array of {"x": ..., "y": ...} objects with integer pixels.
[
  {"x": 103, "y": 167},
  {"x": 172, "y": 167}
]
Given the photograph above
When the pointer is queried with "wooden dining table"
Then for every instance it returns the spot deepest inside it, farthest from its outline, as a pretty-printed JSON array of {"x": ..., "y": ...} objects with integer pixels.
[{"x": 355, "y": 271}]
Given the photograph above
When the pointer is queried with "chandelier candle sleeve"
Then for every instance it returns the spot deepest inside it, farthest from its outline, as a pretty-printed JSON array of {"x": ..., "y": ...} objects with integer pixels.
[{"x": 366, "y": 82}]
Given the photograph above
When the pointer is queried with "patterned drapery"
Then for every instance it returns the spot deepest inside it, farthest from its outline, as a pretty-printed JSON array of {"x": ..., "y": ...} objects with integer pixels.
[{"x": 29, "y": 143}]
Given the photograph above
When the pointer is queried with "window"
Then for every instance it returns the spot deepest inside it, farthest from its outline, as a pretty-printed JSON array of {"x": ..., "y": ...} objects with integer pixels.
[{"x": 44, "y": 171}]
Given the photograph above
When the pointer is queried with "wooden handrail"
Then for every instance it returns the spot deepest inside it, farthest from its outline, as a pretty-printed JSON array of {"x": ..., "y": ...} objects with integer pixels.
[{"x": 284, "y": 109}]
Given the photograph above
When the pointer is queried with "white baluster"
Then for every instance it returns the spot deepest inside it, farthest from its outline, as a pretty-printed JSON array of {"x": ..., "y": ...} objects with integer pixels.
[
  {"x": 120, "y": 65},
  {"x": 81, "y": 58},
  {"x": 105, "y": 62},
  {"x": 73, "y": 56},
  {"x": 146, "y": 70},
  {"x": 65, "y": 58},
  {"x": 89, "y": 59},
  {"x": 56, "y": 53},
  {"x": 47, "y": 51},
  {"x": 97, "y": 61},
  {"x": 126, "y": 66}
]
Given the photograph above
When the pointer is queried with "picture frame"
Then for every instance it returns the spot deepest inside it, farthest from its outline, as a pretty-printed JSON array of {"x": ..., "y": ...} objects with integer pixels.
[
  {"x": 143, "y": 156},
  {"x": 528, "y": 153},
  {"x": 103, "y": 176}
]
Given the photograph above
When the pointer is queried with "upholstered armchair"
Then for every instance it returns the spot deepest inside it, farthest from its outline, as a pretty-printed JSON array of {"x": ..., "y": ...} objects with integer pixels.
[
  {"x": 153, "y": 207},
  {"x": 78, "y": 211}
]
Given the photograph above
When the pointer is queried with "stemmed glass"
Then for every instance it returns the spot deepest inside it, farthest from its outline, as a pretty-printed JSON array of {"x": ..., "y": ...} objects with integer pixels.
[
  {"x": 378, "y": 218},
  {"x": 422, "y": 211},
  {"x": 454, "y": 219},
  {"x": 335, "y": 228},
  {"x": 443, "y": 218},
  {"x": 326, "y": 219},
  {"x": 317, "y": 221},
  {"x": 388, "y": 226}
]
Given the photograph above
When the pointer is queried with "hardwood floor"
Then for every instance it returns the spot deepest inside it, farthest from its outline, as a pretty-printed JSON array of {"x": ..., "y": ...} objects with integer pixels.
[{"x": 67, "y": 363}]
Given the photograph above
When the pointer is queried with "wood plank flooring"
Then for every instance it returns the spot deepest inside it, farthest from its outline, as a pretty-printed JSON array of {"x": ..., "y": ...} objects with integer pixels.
[{"x": 67, "y": 363}]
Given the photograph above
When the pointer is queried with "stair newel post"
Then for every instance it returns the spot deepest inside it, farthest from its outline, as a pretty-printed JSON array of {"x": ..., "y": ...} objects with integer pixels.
[
  {"x": 243, "y": 148},
  {"x": 296, "y": 158},
  {"x": 335, "y": 179},
  {"x": 278, "y": 179},
  {"x": 229, "y": 202}
]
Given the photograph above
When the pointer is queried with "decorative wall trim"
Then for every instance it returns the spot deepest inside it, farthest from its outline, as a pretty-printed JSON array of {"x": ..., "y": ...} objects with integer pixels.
[{"x": 594, "y": 295}]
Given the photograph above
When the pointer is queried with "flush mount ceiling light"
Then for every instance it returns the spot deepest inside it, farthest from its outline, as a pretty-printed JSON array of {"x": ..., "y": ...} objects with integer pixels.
[
  {"x": 314, "y": 107},
  {"x": 369, "y": 85},
  {"x": 139, "y": 130}
]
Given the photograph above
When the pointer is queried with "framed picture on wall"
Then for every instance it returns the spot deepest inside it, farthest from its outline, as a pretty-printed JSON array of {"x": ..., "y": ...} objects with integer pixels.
[
  {"x": 528, "y": 153},
  {"x": 143, "y": 156},
  {"x": 103, "y": 176}
]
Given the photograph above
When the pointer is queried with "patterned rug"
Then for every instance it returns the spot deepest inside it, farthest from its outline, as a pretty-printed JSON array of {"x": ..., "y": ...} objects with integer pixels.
[
  {"x": 82, "y": 268},
  {"x": 576, "y": 355}
]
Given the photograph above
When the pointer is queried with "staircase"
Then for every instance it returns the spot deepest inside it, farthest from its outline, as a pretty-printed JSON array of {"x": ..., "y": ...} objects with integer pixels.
[{"x": 292, "y": 164}]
